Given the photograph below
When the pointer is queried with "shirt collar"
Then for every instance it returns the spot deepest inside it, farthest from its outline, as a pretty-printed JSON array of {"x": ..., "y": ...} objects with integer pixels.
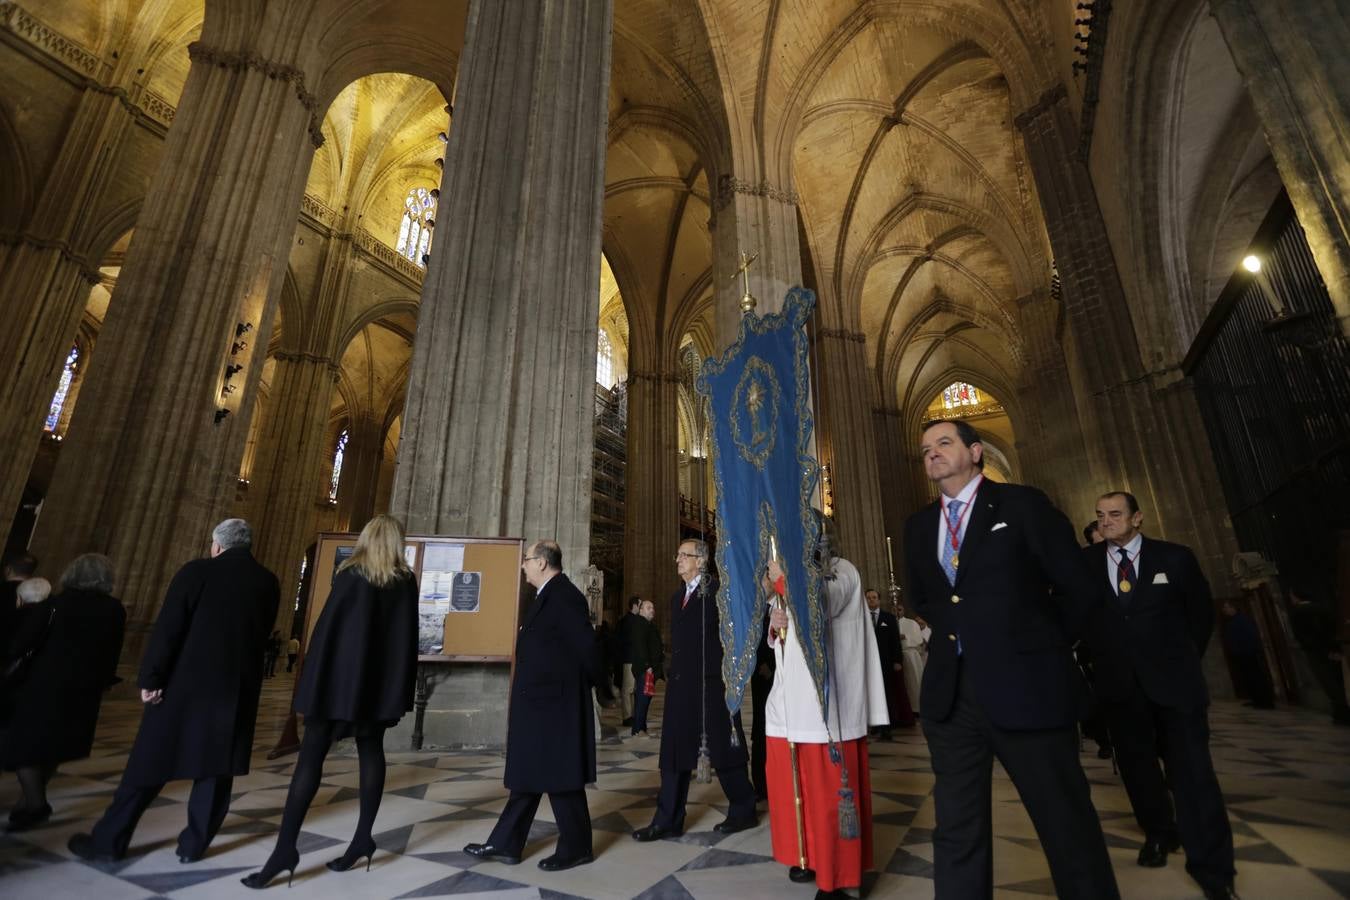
[
  {"x": 967, "y": 492},
  {"x": 691, "y": 586},
  {"x": 1132, "y": 548}
]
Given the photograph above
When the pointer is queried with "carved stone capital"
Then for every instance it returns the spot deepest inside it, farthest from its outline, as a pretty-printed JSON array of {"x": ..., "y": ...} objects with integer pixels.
[
  {"x": 240, "y": 61},
  {"x": 843, "y": 334},
  {"x": 728, "y": 186},
  {"x": 1043, "y": 105}
]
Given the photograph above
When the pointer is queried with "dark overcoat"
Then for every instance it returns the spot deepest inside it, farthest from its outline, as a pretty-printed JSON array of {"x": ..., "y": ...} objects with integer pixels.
[
  {"x": 205, "y": 653},
  {"x": 1167, "y": 623},
  {"x": 695, "y": 696},
  {"x": 361, "y": 662},
  {"x": 550, "y": 736},
  {"x": 56, "y": 706},
  {"x": 1023, "y": 595}
]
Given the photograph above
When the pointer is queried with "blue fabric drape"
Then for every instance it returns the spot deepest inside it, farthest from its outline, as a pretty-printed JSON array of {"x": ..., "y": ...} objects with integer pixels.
[{"x": 760, "y": 400}]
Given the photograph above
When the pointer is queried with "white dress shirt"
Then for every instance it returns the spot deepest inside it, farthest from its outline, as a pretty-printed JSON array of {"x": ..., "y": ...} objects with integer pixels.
[
  {"x": 1113, "y": 561},
  {"x": 967, "y": 496}
]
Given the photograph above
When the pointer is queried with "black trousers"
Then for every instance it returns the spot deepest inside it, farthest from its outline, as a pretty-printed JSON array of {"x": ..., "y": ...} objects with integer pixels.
[
  {"x": 1254, "y": 679},
  {"x": 569, "y": 811},
  {"x": 759, "y": 697},
  {"x": 674, "y": 794},
  {"x": 1044, "y": 767},
  {"x": 1141, "y": 728},
  {"x": 207, "y": 806}
]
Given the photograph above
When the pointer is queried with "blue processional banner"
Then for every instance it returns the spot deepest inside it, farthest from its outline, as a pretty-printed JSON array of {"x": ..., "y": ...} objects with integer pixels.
[{"x": 759, "y": 394}]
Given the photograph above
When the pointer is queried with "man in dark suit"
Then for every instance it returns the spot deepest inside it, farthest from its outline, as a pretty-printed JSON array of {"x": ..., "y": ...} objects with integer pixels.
[
  {"x": 1159, "y": 696},
  {"x": 887, "y": 630},
  {"x": 550, "y": 736},
  {"x": 696, "y": 709},
  {"x": 629, "y": 625},
  {"x": 200, "y": 679},
  {"x": 1000, "y": 681}
]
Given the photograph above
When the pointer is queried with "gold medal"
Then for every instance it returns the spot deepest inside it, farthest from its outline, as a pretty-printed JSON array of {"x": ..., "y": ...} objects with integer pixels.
[
  {"x": 956, "y": 560},
  {"x": 1125, "y": 586}
]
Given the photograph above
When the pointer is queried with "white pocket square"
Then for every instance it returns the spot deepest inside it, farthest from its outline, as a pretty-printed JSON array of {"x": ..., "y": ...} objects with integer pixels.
[
  {"x": 1161, "y": 578},
  {"x": 999, "y": 525}
]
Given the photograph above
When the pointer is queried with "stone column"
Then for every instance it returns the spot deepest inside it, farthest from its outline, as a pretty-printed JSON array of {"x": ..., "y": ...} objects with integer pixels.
[
  {"x": 1136, "y": 438},
  {"x": 651, "y": 531},
  {"x": 360, "y": 471},
  {"x": 497, "y": 435},
  {"x": 1292, "y": 57},
  {"x": 846, "y": 442},
  {"x": 1049, "y": 437},
  {"x": 287, "y": 481},
  {"x": 46, "y": 272},
  {"x": 498, "y": 430},
  {"x": 898, "y": 471},
  {"x": 150, "y": 464},
  {"x": 752, "y": 218}
]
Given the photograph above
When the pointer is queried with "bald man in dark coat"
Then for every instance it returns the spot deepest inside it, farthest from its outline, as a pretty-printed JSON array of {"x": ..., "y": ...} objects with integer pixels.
[
  {"x": 550, "y": 737},
  {"x": 200, "y": 681}
]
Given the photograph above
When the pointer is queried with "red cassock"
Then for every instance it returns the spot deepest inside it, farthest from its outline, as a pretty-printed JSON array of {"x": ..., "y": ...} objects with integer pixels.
[{"x": 838, "y": 863}]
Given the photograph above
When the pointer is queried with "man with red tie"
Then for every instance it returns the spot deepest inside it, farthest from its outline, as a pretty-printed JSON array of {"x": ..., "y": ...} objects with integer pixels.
[
  {"x": 696, "y": 713},
  {"x": 1162, "y": 699}
]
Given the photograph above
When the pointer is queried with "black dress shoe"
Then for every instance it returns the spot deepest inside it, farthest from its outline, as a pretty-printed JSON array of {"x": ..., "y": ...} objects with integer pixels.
[
  {"x": 82, "y": 845},
  {"x": 836, "y": 894},
  {"x": 655, "y": 833},
  {"x": 1223, "y": 892},
  {"x": 798, "y": 875},
  {"x": 556, "y": 863},
  {"x": 1105, "y": 753},
  {"x": 731, "y": 826},
  {"x": 1153, "y": 855},
  {"x": 25, "y": 819},
  {"x": 189, "y": 858},
  {"x": 489, "y": 852}
]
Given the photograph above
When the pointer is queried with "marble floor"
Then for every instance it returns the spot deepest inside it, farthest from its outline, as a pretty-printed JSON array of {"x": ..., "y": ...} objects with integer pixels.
[{"x": 1285, "y": 773}]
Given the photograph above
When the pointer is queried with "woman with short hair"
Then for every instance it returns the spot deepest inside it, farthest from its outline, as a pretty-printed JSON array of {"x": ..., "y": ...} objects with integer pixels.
[
  {"x": 67, "y": 655},
  {"x": 356, "y": 679}
]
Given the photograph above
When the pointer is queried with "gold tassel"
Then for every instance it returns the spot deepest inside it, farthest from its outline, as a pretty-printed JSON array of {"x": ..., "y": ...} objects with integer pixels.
[{"x": 704, "y": 774}]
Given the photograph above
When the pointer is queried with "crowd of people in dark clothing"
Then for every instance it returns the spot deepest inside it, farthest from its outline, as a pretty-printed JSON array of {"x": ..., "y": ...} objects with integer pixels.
[
  {"x": 213, "y": 644},
  {"x": 200, "y": 679}
]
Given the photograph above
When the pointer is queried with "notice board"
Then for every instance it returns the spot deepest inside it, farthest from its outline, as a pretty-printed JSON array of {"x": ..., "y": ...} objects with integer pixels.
[{"x": 473, "y": 583}]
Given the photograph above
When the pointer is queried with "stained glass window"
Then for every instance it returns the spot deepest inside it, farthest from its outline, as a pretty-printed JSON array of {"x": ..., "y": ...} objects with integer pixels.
[
  {"x": 414, "y": 229},
  {"x": 960, "y": 394},
  {"x": 604, "y": 361},
  {"x": 337, "y": 465},
  {"x": 62, "y": 389}
]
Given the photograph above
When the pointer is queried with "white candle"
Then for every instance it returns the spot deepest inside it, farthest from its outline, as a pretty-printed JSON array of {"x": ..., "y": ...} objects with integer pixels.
[
  {"x": 890, "y": 561},
  {"x": 773, "y": 548}
]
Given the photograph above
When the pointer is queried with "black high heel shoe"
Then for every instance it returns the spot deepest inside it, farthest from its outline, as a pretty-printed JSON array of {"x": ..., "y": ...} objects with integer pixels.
[
  {"x": 352, "y": 857},
  {"x": 275, "y": 865}
]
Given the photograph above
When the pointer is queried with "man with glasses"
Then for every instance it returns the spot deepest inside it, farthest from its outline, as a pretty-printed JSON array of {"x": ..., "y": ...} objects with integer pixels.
[
  {"x": 695, "y": 710},
  {"x": 550, "y": 743}
]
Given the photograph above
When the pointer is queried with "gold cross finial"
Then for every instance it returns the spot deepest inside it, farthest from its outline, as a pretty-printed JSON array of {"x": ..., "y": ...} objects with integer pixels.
[{"x": 747, "y": 299}]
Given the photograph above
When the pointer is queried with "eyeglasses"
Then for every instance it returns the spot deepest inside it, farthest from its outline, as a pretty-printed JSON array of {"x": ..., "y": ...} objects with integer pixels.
[
  {"x": 682, "y": 555},
  {"x": 528, "y": 558}
]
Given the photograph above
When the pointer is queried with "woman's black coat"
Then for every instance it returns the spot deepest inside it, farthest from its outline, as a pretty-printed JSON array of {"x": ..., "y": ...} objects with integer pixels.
[
  {"x": 205, "y": 653},
  {"x": 56, "y": 705},
  {"x": 550, "y": 737},
  {"x": 694, "y": 691},
  {"x": 361, "y": 662}
]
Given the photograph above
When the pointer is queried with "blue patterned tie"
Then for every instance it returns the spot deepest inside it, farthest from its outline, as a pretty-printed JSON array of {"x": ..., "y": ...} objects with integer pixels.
[{"x": 948, "y": 551}]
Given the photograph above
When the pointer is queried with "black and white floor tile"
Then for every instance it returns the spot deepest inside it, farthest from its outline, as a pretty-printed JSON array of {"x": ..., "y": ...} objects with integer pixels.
[{"x": 1286, "y": 776}]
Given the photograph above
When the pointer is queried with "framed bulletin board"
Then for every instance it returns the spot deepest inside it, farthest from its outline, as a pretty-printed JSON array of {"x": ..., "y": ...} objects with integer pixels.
[{"x": 469, "y": 592}]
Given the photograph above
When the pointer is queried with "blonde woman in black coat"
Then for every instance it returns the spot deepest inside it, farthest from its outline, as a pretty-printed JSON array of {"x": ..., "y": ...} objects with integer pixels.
[
  {"x": 72, "y": 642},
  {"x": 356, "y": 679}
]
